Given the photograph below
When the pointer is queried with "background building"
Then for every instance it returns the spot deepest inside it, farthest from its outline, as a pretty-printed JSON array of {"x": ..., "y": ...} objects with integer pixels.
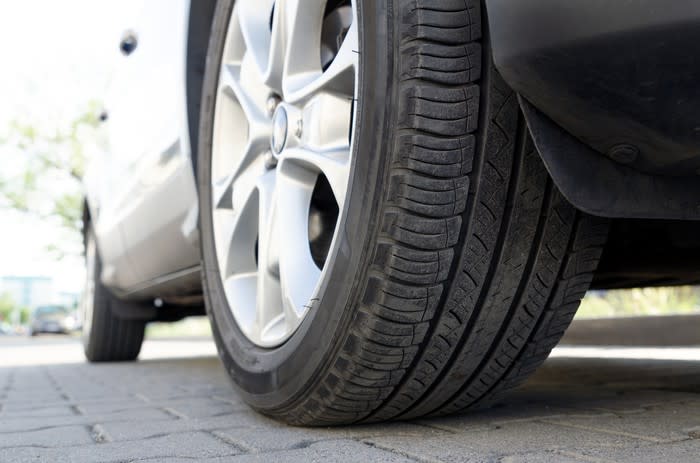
[{"x": 28, "y": 291}]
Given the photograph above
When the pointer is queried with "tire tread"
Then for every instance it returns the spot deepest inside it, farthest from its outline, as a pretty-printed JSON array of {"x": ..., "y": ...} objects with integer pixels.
[{"x": 480, "y": 263}]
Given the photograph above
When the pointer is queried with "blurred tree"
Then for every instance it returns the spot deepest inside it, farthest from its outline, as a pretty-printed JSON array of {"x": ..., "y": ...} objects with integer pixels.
[
  {"x": 46, "y": 178},
  {"x": 640, "y": 301},
  {"x": 7, "y": 307},
  {"x": 25, "y": 316},
  {"x": 11, "y": 313}
]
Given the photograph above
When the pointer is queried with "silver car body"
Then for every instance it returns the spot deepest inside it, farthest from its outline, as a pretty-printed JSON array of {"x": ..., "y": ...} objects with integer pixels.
[{"x": 141, "y": 193}]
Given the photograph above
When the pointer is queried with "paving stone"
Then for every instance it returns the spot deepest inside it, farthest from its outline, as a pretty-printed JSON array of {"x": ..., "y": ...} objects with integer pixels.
[
  {"x": 187, "y": 445},
  {"x": 661, "y": 423},
  {"x": 539, "y": 457},
  {"x": 183, "y": 410},
  {"x": 32, "y": 397},
  {"x": 201, "y": 407},
  {"x": 279, "y": 437},
  {"x": 347, "y": 451},
  {"x": 687, "y": 451},
  {"x": 29, "y": 424},
  {"x": 63, "y": 436},
  {"x": 508, "y": 439},
  {"x": 105, "y": 402},
  {"x": 601, "y": 399},
  {"x": 517, "y": 409},
  {"x": 143, "y": 429},
  {"x": 193, "y": 407},
  {"x": 37, "y": 412}
]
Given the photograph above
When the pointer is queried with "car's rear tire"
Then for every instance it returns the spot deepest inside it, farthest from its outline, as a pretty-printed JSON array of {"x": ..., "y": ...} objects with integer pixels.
[
  {"x": 456, "y": 264},
  {"x": 106, "y": 337}
]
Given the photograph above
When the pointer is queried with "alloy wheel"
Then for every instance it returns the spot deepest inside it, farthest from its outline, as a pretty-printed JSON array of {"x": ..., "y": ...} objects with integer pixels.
[{"x": 282, "y": 157}]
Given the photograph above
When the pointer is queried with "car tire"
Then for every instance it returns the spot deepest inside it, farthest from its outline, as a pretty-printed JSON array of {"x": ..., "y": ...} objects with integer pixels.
[
  {"x": 106, "y": 337},
  {"x": 460, "y": 265}
]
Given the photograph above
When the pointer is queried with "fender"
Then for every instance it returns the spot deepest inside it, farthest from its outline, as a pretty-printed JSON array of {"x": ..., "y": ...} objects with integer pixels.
[
  {"x": 199, "y": 28},
  {"x": 602, "y": 187},
  {"x": 612, "y": 98}
]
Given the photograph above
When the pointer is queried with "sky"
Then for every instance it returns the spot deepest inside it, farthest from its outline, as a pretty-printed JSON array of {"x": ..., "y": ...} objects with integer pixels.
[{"x": 56, "y": 56}]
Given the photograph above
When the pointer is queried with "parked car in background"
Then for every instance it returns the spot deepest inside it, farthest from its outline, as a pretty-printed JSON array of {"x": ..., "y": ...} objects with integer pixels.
[
  {"x": 389, "y": 208},
  {"x": 55, "y": 319}
]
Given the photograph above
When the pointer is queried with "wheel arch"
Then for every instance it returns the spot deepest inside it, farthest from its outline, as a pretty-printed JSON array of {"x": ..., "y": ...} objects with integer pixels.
[
  {"x": 201, "y": 17},
  {"x": 617, "y": 131},
  {"x": 86, "y": 219}
]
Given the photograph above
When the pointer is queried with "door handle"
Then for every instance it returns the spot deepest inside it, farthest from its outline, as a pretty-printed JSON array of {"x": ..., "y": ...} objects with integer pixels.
[{"x": 128, "y": 43}]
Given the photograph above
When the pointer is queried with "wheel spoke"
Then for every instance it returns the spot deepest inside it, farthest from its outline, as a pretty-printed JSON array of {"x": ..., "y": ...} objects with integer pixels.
[
  {"x": 235, "y": 232},
  {"x": 254, "y": 20},
  {"x": 299, "y": 274},
  {"x": 275, "y": 64},
  {"x": 240, "y": 292},
  {"x": 339, "y": 78},
  {"x": 236, "y": 212},
  {"x": 269, "y": 299},
  {"x": 231, "y": 153},
  {"x": 326, "y": 123},
  {"x": 334, "y": 165},
  {"x": 295, "y": 49},
  {"x": 222, "y": 191},
  {"x": 231, "y": 85}
]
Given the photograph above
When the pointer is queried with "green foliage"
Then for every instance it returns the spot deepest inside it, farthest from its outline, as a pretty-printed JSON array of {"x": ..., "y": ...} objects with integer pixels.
[
  {"x": 46, "y": 180},
  {"x": 25, "y": 316},
  {"x": 192, "y": 327},
  {"x": 7, "y": 307},
  {"x": 640, "y": 301}
]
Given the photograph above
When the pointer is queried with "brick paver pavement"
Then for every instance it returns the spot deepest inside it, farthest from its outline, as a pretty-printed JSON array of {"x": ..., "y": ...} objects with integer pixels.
[{"x": 177, "y": 405}]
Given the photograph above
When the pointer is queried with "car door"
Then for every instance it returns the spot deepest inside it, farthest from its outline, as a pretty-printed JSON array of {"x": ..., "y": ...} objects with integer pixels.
[{"x": 149, "y": 197}]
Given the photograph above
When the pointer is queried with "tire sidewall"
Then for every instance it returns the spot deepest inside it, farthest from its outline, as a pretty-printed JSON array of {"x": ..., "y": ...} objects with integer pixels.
[
  {"x": 96, "y": 296},
  {"x": 274, "y": 379}
]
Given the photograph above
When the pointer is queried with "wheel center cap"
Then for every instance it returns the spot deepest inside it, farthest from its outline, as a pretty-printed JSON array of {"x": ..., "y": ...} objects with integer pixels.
[{"x": 280, "y": 126}]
